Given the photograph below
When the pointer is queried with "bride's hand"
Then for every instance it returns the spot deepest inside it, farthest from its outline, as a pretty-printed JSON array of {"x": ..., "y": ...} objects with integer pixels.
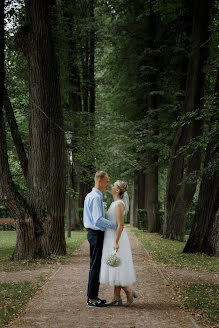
[{"x": 116, "y": 247}]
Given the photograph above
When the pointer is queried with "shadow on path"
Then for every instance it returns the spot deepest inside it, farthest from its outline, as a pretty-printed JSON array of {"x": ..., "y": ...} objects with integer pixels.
[{"x": 61, "y": 302}]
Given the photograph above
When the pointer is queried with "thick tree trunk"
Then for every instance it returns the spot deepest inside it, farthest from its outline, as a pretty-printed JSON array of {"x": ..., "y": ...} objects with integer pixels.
[
  {"x": 15, "y": 133},
  {"x": 141, "y": 189},
  {"x": 30, "y": 242},
  {"x": 210, "y": 243},
  {"x": 204, "y": 236},
  {"x": 46, "y": 169},
  {"x": 179, "y": 197}
]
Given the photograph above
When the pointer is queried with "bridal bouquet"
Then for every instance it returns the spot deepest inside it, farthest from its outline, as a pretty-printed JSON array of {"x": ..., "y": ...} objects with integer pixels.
[{"x": 113, "y": 260}]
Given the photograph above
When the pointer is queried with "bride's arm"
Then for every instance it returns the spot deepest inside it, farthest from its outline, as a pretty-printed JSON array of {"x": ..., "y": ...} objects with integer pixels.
[{"x": 120, "y": 222}]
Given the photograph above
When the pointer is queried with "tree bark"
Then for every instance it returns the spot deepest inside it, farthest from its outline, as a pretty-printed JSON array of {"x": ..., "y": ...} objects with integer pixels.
[
  {"x": 134, "y": 203},
  {"x": 29, "y": 244},
  {"x": 210, "y": 243},
  {"x": 15, "y": 133},
  {"x": 141, "y": 189},
  {"x": 91, "y": 62},
  {"x": 151, "y": 172},
  {"x": 151, "y": 195},
  {"x": 75, "y": 108},
  {"x": 46, "y": 165},
  {"x": 204, "y": 236},
  {"x": 180, "y": 195}
]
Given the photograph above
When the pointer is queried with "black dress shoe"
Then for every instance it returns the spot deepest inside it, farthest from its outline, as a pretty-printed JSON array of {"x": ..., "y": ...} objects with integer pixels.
[
  {"x": 96, "y": 304},
  {"x": 98, "y": 299},
  {"x": 102, "y": 301}
]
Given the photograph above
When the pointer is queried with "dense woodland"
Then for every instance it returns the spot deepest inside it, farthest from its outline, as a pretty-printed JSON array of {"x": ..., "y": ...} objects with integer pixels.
[{"x": 129, "y": 87}]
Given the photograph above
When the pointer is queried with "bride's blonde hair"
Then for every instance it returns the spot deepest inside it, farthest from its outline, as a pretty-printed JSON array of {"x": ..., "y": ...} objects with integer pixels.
[{"x": 123, "y": 186}]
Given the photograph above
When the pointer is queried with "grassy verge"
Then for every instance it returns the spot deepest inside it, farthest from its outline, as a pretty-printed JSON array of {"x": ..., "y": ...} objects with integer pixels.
[
  {"x": 7, "y": 244},
  {"x": 201, "y": 299},
  {"x": 13, "y": 296},
  {"x": 170, "y": 252}
]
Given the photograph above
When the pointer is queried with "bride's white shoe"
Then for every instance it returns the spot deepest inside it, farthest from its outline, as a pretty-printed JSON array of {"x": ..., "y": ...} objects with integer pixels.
[{"x": 134, "y": 295}]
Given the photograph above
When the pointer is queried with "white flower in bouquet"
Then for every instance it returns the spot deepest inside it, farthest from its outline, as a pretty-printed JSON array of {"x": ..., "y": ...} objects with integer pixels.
[{"x": 113, "y": 260}]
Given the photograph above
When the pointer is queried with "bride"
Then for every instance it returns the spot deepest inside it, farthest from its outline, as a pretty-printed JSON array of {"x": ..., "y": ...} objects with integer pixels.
[{"x": 121, "y": 277}]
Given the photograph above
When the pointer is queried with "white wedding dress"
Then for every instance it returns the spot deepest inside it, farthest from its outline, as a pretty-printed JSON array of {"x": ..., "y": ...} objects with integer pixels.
[{"x": 124, "y": 275}]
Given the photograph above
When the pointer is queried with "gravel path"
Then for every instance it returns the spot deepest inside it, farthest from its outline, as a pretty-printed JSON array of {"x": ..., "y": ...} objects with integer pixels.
[{"x": 61, "y": 302}]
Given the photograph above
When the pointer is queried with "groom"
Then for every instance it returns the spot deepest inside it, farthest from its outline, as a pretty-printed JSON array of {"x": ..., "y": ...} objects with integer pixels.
[{"x": 95, "y": 222}]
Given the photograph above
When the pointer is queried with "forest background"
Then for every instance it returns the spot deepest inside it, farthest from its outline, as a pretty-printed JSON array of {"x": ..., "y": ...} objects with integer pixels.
[{"x": 130, "y": 87}]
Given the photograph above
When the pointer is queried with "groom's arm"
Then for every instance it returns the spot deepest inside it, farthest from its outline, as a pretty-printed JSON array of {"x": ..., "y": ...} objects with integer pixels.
[{"x": 98, "y": 218}]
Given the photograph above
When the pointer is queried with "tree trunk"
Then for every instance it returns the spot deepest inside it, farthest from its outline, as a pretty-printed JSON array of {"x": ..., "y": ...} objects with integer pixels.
[
  {"x": 151, "y": 172},
  {"x": 210, "y": 243},
  {"x": 84, "y": 189},
  {"x": 91, "y": 63},
  {"x": 179, "y": 197},
  {"x": 151, "y": 196},
  {"x": 30, "y": 242},
  {"x": 134, "y": 203},
  {"x": 75, "y": 108},
  {"x": 204, "y": 236},
  {"x": 141, "y": 189},
  {"x": 76, "y": 224},
  {"x": 85, "y": 74},
  {"x": 46, "y": 169}
]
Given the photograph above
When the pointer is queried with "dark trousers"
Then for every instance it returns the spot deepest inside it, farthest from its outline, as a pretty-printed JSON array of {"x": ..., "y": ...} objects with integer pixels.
[{"x": 95, "y": 238}]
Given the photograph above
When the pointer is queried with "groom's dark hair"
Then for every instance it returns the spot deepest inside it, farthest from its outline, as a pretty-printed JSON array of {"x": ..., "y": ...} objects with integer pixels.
[{"x": 100, "y": 175}]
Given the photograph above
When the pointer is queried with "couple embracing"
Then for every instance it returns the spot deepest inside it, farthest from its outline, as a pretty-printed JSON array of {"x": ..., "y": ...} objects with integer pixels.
[{"x": 106, "y": 236}]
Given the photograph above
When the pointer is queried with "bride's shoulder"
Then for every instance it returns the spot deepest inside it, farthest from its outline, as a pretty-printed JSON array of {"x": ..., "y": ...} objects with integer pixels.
[{"x": 119, "y": 201}]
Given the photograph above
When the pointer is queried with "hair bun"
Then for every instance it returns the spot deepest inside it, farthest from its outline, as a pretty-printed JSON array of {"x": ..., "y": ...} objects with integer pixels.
[{"x": 123, "y": 186}]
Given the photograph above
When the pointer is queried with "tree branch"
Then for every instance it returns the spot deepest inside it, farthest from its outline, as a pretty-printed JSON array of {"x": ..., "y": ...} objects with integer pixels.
[{"x": 15, "y": 133}]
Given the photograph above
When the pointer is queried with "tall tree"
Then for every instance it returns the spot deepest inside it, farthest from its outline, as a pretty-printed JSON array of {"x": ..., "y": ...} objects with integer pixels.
[
  {"x": 40, "y": 219},
  {"x": 26, "y": 240},
  {"x": 46, "y": 171},
  {"x": 151, "y": 174},
  {"x": 204, "y": 236},
  {"x": 179, "y": 194}
]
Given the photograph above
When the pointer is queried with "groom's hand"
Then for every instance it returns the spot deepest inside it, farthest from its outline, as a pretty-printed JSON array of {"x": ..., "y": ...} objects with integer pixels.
[{"x": 116, "y": 247}]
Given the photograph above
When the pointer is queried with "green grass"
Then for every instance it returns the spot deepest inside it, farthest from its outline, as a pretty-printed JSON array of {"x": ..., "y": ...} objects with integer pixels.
[
  {"x": 203, "y": 299},
  {"x": 7, "y": 244},
  {"x": 170, "y": 252},
  {"x": 13, "y": 296}
]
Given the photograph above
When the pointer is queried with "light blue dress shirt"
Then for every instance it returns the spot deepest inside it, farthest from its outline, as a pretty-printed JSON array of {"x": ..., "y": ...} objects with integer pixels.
[{"x": 94, "y": 214}]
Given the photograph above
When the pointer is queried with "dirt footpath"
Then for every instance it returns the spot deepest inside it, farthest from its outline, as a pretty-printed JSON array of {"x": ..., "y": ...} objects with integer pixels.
[{"x": 61, "y": 302}]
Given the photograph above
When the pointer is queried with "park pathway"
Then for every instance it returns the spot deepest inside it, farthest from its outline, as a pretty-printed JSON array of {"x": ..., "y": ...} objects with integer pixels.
[{"x": 61, "y": 302}]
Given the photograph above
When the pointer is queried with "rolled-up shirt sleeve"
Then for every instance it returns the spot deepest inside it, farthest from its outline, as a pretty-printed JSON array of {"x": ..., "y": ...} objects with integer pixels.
[{"x": 97, "y": 215}]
